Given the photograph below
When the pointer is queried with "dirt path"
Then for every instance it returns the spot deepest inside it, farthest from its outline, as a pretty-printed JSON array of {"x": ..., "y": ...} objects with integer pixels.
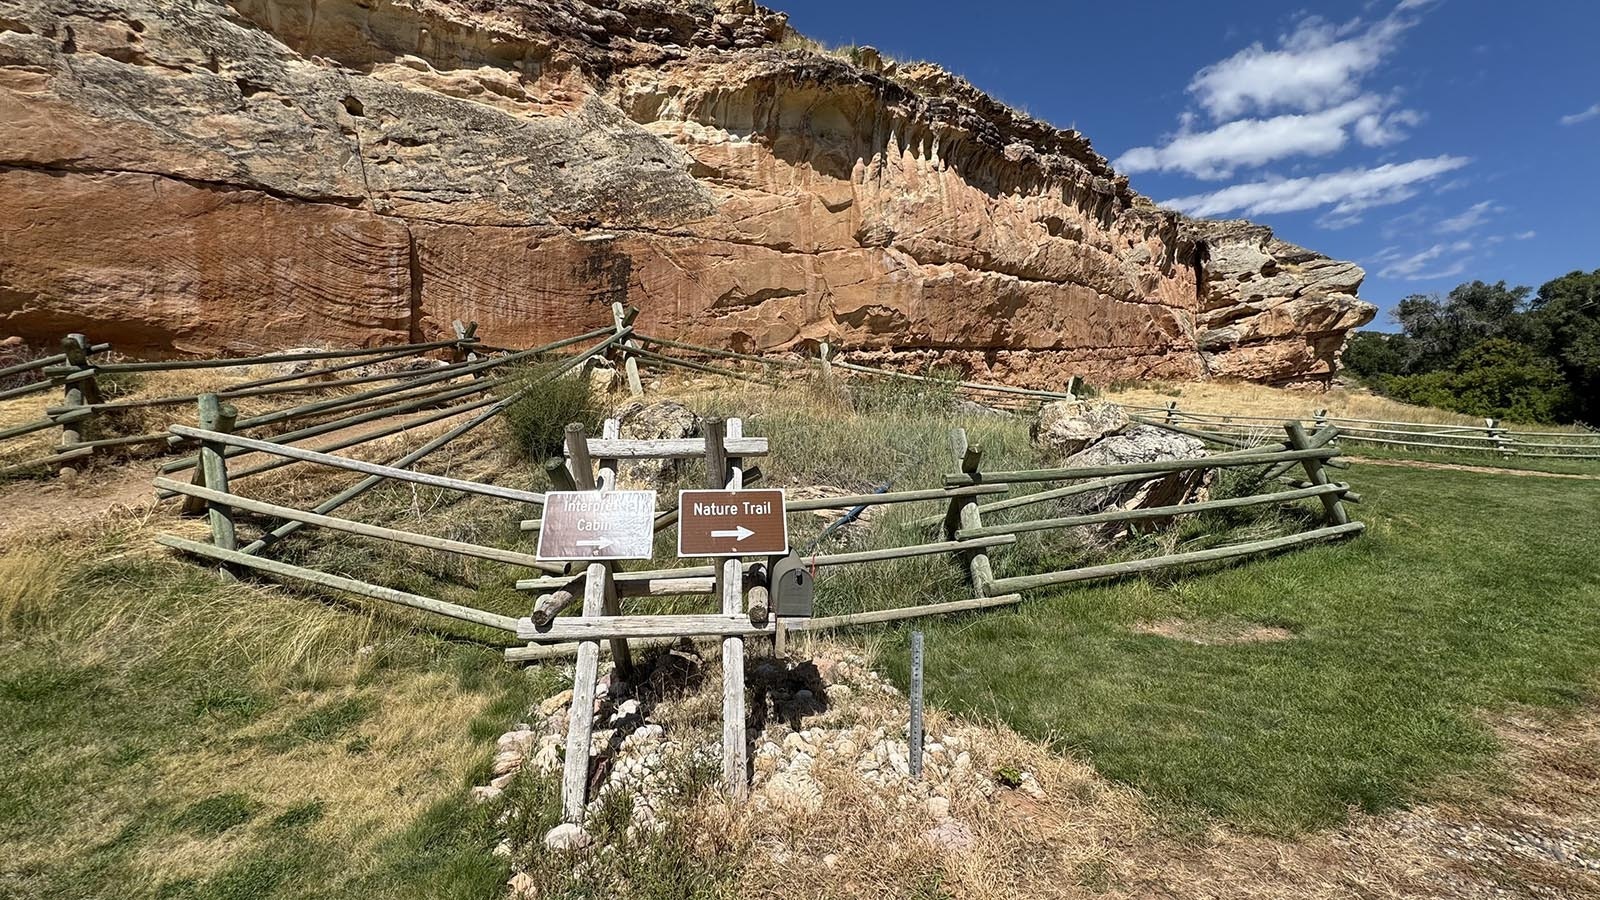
[
  {"x": 1456, "y": 467},
  {"x": 39, "y": 508}
]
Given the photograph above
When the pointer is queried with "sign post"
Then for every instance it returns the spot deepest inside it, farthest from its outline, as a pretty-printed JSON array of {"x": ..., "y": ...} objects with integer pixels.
[
  {"x": 731, "y": 523},
  {"x": 592, "y": 525}
]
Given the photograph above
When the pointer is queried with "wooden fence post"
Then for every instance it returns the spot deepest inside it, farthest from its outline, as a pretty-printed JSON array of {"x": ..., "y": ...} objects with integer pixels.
[
  {"x": 963, "y": 512},
  {"x": 466, "y": 335},
  {"x": 727, "y": 473},
  {"x": 621, "y": 318},
  {"x": 580, "y": 716},
  {"x": 1072, "y": 388},
  {"x": 80, "y": 389},
  {"x": 915, "y": 734},
  {"x": 1319, "y": 418},
  {"x": 583, "y": 476},
  {"x": 214, "y": 416},
  {"x": 1497, "y": 435},
  {"x": 823, "y": 351},
  {"x": 1315, "y": 474},
  {"x": 1172, "y": 412},
  {"x": 214, "y": 464}
]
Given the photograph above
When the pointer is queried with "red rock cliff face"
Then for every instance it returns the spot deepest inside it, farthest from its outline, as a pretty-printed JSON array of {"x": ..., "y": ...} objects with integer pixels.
[{"x": 200, "y": 176}]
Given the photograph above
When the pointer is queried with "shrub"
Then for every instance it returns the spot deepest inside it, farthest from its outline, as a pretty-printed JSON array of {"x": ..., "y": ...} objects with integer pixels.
[
  {"x": 537, "y": 420},
  {"x": 1498, "y": 378}
]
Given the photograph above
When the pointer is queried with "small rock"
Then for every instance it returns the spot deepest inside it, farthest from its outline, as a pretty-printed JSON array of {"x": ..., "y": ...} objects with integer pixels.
[
  {"x": 555, "y": 704},
  {"x": 522, "y": 887},
  {"x": 567, "y": 836},
  {"x": 939, "y": 808},
  {"x": 486, "y": 793}
]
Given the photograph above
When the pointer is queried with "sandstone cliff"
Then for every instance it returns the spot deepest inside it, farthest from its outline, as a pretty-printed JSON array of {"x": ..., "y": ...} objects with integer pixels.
[{"x": 200, "y": 175}]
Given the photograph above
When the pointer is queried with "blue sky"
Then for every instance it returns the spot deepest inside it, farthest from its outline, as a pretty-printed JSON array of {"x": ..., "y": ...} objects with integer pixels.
[{"x": 1431, "y": 141}]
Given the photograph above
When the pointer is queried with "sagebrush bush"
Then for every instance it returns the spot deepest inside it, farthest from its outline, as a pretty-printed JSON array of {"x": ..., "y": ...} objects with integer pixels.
[{"x": 536, "y": 422}]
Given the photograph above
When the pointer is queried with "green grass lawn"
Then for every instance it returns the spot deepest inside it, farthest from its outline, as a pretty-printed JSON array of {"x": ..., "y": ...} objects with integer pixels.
[
  {"x": 1469, "y": 592},
  {"x": 1476, "y": 458}
]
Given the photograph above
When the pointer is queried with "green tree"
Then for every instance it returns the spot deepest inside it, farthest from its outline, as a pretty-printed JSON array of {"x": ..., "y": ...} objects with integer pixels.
[
  {"x": 1498, "y": 377},
  {"x": 1564, "y": 323},
  {"x": 1374, "y": 354},
  {"x": 1442, "y": 328}
]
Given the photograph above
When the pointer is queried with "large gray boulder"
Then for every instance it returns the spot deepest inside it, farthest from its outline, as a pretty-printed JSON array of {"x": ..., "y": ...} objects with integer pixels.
[
  {"x": 1135, "y": 444},
  {"x": 1065, "y": 427}
]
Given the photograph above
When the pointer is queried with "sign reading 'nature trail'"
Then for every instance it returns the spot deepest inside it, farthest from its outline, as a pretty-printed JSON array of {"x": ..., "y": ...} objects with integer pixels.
[{"x": 732, "y": 523}]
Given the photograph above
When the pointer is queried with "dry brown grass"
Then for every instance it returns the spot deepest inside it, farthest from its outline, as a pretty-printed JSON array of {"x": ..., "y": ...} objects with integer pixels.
[
  {"x": 1246, "y": 399},
  {"x": 1088, "y": 837}
]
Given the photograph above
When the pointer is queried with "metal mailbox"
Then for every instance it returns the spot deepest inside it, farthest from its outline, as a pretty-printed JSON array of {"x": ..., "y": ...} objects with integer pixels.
[{"x": 792, "y": 588}]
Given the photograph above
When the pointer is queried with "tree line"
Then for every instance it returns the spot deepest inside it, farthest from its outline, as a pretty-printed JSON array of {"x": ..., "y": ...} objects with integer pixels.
[{"x": 1492, "y": 350}]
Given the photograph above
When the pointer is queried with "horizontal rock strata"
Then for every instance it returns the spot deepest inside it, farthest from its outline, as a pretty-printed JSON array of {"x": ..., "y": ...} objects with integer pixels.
[{"x": 203, "y": 176}]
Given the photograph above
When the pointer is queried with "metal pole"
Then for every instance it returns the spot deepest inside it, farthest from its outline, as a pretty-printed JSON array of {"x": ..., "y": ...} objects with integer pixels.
[{"x": 916, "y": 705}]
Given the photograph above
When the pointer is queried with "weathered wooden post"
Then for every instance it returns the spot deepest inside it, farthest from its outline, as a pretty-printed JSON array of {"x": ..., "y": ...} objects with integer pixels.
[
  {"x": 79, "y": 390},
  {"x": 963, "y": 512},
  {"x": 823, "y": 351},
  {"x": 1172, "y": 412},
  {"x": 621, "y": 318},
  {"x": 214, "y": 465},
  {"x": 466, "y": 336},
  {"x": 1319, "y": 418},
  {"x": 1497, "y": 436},
  {"x": 915, "y": 735},
  {"x": 580, "y": 716},
  {"x": 1315, "y": 473},
  {"x": 583, "y": 476},
  {"x": 1072, "y": 388},
  {"x": 723, "y": 473},
  {"x": 214, "y": 416}
]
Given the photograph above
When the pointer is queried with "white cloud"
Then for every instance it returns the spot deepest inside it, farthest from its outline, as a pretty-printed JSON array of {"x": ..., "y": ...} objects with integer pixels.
[
  {"x": 1421, "y": 266},
  {"x": 1584, "y": 116},
  {"x": 1525, "y": 235},
  {"x": 1315, "y": 66},
  {"x": 1472, "y": 217},
  {"x": 1347, "y": 192},
  {"x": 1254, "y": 142}
]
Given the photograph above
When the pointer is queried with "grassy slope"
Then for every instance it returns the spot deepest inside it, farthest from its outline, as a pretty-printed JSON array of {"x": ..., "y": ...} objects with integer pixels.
[
  {"x": 171, "y": 737},
  {"x": 180, "y": 739},
  {"x": 1469, "y": 592}
]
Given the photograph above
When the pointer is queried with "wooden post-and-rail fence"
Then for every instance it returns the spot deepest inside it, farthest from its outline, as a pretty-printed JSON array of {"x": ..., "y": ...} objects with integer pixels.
[{"x": 83, "y": 407}]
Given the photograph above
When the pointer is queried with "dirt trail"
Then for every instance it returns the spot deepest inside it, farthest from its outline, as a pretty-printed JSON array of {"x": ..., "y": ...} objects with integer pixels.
[
  {"x": 1457, "y": 467},
  {"x": 39, "y": 508}
]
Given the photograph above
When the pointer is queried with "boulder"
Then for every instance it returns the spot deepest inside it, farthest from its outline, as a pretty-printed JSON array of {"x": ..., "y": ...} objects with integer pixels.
[
  {"x": 656, "y": 420},
  {"x": 1065, "y": 427},
  {"x": 1137, "y": 443}
]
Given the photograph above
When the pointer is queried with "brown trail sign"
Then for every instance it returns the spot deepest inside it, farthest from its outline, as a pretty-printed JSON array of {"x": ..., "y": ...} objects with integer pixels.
[
  {"x": 587, "y": 525},
  {"x": 732, "y": 523}
]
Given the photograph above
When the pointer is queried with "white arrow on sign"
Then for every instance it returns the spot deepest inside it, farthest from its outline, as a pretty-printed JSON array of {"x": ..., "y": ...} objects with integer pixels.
[
  {"x": 738, "y": 533},
  {"x": 602, "y": 543}
]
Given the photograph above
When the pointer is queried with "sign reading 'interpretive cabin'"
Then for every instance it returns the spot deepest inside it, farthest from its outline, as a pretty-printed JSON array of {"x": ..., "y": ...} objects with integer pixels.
[
  {"x": 584, "y": 525},
  {"x": 732, "y": 523}
]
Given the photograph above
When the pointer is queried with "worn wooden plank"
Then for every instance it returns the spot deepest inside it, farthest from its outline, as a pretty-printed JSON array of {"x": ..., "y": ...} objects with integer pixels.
[
  {"x": 1134, "y": 567},
  {"x": 357, "y": 465},
  {"x": 339, "y": 582},
  {"x": 580, "y": 720},
  {"x": 735, "y": 760},
  {"x": 1150, "y": 512},
  {"x": 636, "y": 625},
  {"x": 851, "y": 501},
  {"x": 347, "y": 526},
  {"x": 1161, "y": 466},
  {"x": 672, "y": 448},
  {"x": 821, "y": 623}
]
